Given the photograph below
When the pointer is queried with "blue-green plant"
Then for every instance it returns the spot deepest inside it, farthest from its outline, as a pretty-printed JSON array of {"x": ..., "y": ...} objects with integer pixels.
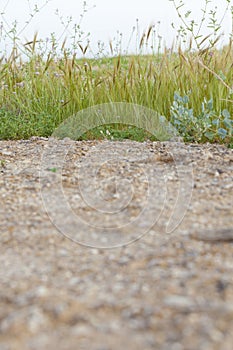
[{"x": 208, "y": 125}]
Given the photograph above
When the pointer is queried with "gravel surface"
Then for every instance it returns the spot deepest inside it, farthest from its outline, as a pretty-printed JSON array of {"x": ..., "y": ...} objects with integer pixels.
[{"x": 115, "y": 245}]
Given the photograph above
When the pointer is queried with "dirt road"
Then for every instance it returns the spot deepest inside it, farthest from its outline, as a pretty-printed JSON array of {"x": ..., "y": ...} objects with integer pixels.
[{"x": 115, "y": 245}]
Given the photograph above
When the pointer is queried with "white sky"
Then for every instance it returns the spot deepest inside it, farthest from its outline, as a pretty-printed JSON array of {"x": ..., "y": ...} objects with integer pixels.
[{"x": 106, "y": 18}]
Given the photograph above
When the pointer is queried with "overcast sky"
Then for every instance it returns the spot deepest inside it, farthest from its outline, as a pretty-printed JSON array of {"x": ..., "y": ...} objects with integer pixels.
[{"x": 105, "y": 17}]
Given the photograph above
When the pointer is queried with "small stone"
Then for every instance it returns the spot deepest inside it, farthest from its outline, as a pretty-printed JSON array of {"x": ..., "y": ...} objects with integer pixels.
[
  {"x": 165, "y": 157},
  {"x": 179, "y": 302},
  {"x": 42, "y": 292},
  {"x": 213, "y": 235},
  {"x": 81, "y": 330},
  {"x": 123, "y": 260},
  {"x": 63, "y": 252},
  {"x": 6, "y": 153}
]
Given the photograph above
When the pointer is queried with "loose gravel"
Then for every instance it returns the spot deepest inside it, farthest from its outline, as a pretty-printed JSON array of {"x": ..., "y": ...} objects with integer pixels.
[{"x": 115, "y": 245}]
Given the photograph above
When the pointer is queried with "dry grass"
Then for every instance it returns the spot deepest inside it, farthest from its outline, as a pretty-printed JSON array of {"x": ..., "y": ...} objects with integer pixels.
[{"x": 38, "y": 94}]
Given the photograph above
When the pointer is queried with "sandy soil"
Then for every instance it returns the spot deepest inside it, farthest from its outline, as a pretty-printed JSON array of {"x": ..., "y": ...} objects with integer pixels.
[{"x": 115, "y": 245}]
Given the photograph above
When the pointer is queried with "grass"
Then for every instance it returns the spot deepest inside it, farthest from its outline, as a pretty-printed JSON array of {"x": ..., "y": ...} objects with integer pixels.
[{"x": 37, "y": 94}]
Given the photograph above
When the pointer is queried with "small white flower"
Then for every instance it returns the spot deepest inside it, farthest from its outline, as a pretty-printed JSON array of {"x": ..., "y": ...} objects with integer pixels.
[
  {"x": 58, "y": 75},
  {"x": 21, "y": 84}
]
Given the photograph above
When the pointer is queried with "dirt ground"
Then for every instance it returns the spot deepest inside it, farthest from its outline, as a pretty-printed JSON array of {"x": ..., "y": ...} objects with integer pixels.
[{"x": 115, "y": 245}]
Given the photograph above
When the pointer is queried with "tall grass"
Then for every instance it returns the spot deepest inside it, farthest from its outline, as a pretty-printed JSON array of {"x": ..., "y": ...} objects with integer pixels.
[{"x": 38, "y": 93}]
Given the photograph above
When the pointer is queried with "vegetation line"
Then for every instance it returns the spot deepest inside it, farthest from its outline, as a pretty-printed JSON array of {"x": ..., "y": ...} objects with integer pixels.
[{"x": 43, "y": 82}]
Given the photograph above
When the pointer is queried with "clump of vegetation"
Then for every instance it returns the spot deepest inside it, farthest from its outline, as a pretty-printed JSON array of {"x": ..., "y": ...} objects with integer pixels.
[
  {"x": 191, "y": 84},
  {"x": 208, "y": 125}
]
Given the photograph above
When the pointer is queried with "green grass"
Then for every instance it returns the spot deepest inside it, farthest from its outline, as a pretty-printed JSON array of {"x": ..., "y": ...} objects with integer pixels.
[
  {"x": 38, "y": 94},
  {"x": 118, "y": 132}
]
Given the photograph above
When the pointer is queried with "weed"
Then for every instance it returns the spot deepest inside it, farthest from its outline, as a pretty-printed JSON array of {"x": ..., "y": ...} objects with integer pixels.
[
  {"x": 2, "y": 163},
  {"x": 53, "y": 170}
]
